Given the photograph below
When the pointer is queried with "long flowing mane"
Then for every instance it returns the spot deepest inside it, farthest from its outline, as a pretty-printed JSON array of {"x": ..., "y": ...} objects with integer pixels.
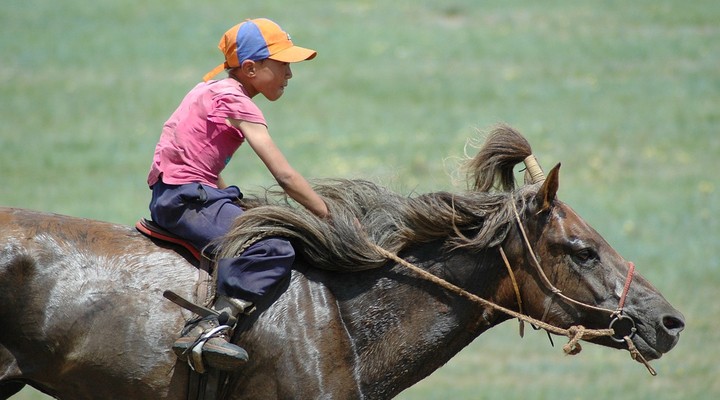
[{"x": 364, "y": 214}]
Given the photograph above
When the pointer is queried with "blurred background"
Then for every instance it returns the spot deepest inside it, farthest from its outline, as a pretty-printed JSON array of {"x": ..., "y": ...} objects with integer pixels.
[{"x": 625, "y": 94}]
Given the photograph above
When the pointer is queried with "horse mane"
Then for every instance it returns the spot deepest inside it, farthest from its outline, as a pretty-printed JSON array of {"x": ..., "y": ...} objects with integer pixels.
[{"x": 365, "y": 215}]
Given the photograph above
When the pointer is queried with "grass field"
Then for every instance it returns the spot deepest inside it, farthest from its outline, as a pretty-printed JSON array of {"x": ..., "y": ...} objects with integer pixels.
[{"x": 625, "y": 94}]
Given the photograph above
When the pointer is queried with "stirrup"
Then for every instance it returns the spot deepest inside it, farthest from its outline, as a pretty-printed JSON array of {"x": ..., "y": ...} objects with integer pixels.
[
  {"x": 205, "y": 336},
  {"x": 195, "y": 359}
]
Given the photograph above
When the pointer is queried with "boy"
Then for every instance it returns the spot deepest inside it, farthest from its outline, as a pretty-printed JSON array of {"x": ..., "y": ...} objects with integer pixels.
[{"x": 190, "y": 198}]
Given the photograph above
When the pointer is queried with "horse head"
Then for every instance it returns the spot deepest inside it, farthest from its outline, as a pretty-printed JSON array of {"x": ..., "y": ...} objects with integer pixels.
[
  {"x": 567, "y": 274},
  {"x": 574, "y": 277}
]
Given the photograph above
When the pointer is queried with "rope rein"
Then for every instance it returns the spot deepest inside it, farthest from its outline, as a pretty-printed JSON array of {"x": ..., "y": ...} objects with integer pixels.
[
  {"x": 516, "y": 288},
  {"x": 574, "y": 333}
]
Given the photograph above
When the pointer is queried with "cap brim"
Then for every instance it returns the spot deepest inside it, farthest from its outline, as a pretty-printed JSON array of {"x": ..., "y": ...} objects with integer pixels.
[{"x": 294, "y": 54}]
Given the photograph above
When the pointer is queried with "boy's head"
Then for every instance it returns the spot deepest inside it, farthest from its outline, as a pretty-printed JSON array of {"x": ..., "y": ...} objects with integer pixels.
[{"x": 258, "y": 39}]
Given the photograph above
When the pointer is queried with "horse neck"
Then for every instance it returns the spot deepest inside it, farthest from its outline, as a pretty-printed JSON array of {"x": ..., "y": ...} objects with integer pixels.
[{"x": 405, "y": 327}]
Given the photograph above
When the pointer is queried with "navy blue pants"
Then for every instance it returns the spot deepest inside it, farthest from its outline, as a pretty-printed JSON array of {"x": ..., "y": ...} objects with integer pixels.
[{"x": 201, "y": 214}]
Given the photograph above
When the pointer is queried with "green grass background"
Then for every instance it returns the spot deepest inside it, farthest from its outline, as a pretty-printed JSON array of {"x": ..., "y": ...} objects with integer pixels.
[{"x": 625, "y": 94}]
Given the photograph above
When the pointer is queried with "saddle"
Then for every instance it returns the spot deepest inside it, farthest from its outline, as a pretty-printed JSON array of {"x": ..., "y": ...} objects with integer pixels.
[{"x": 151, "y": 229}]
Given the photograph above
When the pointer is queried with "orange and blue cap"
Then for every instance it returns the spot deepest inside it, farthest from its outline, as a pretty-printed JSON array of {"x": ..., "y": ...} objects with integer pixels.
[{"x": 258, "y": 39}]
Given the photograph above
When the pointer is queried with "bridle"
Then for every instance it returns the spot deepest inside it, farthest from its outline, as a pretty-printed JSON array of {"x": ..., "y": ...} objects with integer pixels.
[
  {"x": 575, "y": 333},
  {"x": 536, "y": 175},
  {"x": 616, "y": 315}
]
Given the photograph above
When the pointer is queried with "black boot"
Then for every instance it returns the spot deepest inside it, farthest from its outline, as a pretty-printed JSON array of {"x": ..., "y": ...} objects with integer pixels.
[{"x": 205, "y": 342}]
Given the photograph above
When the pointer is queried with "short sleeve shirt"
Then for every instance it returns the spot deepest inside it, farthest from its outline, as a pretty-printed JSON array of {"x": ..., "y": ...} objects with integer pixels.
[{"x": 197, "y": 142}]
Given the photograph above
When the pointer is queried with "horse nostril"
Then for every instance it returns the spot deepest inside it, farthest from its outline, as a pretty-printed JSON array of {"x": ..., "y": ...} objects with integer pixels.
[{"x": 673, "y": 324}]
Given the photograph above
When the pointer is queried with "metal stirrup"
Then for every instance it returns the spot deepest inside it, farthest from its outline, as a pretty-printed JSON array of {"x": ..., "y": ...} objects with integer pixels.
[{"x": 195, "y": 360}]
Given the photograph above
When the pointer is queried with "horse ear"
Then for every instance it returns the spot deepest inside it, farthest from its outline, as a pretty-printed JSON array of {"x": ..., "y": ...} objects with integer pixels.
[{"x": 547, "y": 193}]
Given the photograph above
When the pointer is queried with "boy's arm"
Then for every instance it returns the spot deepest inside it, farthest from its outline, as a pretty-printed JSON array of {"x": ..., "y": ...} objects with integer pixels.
[{"x": 294, "y": 184}]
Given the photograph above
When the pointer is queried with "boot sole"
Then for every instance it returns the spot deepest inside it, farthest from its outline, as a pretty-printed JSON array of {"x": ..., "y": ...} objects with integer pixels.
[{"x": 213, "y": 356}]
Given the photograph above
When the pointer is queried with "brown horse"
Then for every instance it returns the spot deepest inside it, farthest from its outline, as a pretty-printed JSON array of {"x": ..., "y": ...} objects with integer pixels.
[{"x": 83, "y": 315}]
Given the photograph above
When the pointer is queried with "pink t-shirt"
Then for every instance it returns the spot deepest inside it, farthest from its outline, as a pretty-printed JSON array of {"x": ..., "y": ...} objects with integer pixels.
[{"x": 196, "y": 142}]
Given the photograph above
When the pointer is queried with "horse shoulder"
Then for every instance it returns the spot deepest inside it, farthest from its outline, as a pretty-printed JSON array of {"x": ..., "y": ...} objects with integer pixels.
[{"x": 299, "y": 339}]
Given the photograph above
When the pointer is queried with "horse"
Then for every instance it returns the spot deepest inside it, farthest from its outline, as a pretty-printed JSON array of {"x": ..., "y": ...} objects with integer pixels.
[{"x": 83, "y": 316}]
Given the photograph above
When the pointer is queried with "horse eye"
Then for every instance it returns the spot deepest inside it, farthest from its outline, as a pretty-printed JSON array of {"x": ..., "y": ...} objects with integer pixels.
[{"x": 584, "y": 255}]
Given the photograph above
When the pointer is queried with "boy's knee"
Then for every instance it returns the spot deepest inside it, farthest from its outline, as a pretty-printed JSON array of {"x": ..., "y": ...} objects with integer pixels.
[{"x": 276, "y": 247}]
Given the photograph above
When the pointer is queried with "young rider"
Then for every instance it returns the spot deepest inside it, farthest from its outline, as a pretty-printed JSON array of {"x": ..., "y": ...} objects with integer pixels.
[{"x": 191, "y": 199}]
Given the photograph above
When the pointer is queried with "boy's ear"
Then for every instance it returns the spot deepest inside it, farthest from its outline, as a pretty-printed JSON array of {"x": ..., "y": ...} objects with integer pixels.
[{"x": 247, "y": 68}]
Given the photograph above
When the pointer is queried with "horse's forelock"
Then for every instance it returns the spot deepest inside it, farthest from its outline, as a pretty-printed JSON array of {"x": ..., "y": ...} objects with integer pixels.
[{"x": 503, "y": 148}]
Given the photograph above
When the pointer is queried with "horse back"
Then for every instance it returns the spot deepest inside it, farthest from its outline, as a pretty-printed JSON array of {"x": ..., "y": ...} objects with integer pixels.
[{"x": 82, "y": 302}]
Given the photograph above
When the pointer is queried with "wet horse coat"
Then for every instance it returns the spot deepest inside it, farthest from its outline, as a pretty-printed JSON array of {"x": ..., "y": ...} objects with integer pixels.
[{"x": 83, "y": 315}]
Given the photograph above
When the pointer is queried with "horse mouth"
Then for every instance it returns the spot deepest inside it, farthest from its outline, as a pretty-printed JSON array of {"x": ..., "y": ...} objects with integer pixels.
[
  {"x": 647, "y": 351},
  {"x": 654, "y": 341}
]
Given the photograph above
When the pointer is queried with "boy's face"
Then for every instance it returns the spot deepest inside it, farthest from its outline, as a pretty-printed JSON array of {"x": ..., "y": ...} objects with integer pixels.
[{"x": 271, "y": 77}]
